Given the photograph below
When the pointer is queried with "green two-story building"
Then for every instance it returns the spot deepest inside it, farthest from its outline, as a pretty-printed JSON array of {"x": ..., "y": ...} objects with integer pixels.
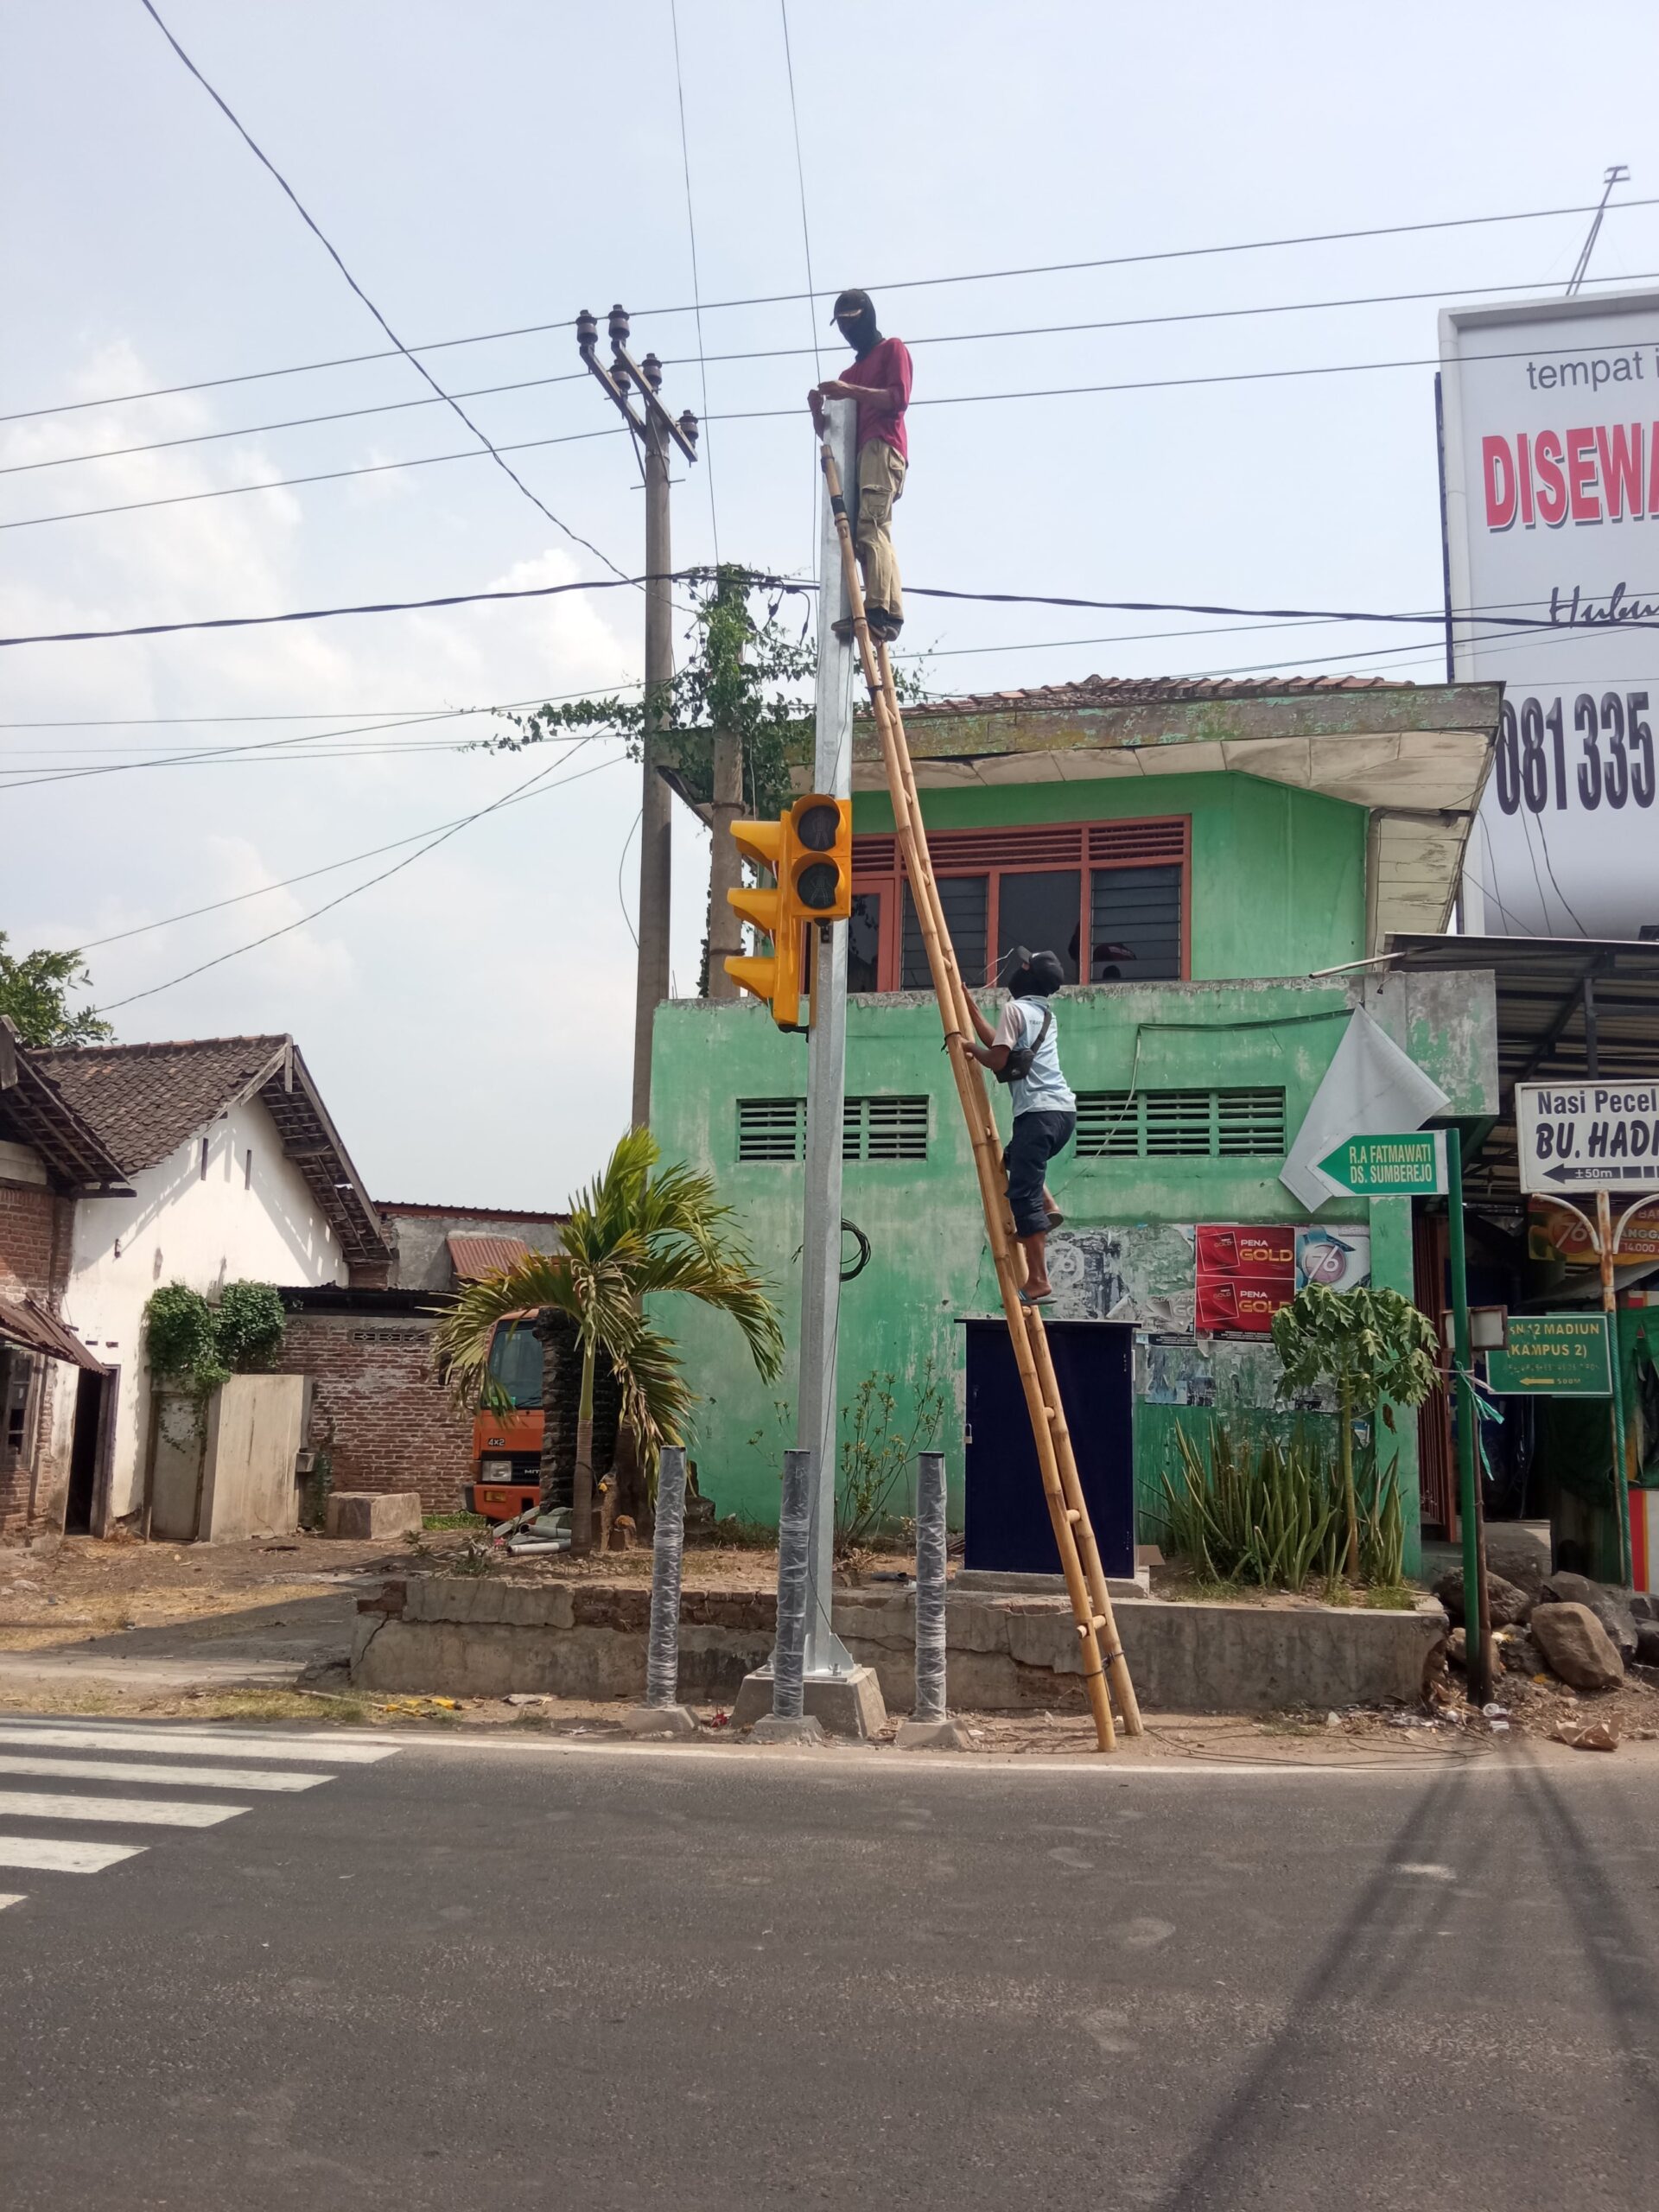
[{"x": 1215, "y": 863}]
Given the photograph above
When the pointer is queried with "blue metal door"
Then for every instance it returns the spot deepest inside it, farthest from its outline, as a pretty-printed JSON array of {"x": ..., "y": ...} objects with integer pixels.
[{"x": 1006, "y": 1516}]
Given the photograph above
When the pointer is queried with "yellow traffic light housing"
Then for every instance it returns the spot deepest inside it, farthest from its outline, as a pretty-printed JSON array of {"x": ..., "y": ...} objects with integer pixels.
[
  {"x": 809, "y": 853},
  {"x": 775, "y": 977},
  {"x": 820, "y": 858}
]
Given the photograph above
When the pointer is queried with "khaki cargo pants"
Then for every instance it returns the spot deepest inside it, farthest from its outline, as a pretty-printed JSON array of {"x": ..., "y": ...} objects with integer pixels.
[{"x": 880, "y": 482}]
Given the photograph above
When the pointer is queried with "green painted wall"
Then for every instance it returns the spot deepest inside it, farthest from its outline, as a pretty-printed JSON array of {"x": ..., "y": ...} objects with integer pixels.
[
  {"x": 930, "y": 1261},
  {"x": 1278, "y": 873},
  {"x": 1277, "y": 890}
]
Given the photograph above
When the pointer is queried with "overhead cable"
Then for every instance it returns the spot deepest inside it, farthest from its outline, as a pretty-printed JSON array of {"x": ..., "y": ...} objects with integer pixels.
[
  {"x": 778, "y": 414},
  {"x": 758, "y": 579},
  {"x": 518, "y": 791},
  {"x": 893, "y": 285},
  {"x": 304, "y": 214},
  {"x": 794, "y": 353},
  {"x": 696, "y": 285}
]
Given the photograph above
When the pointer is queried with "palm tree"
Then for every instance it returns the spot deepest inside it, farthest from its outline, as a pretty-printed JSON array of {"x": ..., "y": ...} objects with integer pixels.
[{"x": 639, "y": 1229}]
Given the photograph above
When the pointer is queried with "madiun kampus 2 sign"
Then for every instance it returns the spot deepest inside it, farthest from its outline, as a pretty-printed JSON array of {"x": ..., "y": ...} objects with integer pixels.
[{"x": 1552, "y": 502}]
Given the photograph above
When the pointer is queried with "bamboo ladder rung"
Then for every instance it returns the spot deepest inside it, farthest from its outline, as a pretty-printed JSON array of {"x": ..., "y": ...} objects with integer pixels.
[{"x": 1074, "y": 1537}]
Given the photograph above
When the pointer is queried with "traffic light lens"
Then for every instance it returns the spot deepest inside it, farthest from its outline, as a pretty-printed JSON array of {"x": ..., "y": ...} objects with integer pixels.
[
  {"x": 817, "y": 828},
  {"x": 815, "y": 886}
]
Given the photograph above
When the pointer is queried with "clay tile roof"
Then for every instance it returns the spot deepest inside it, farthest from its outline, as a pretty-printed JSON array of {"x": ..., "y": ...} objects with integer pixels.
[
  {"x": 473, "y": 1257},
  {"x": 144, "y": 1100},
  {"x": 1146, "y": 690}
]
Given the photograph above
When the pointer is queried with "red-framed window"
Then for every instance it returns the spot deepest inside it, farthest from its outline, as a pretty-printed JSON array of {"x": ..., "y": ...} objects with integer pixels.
[{"x": 1113, "y": 900}]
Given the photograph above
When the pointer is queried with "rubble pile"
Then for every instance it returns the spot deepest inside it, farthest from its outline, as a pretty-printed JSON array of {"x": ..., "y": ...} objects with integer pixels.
[{"x": 1570, "y": 1641}]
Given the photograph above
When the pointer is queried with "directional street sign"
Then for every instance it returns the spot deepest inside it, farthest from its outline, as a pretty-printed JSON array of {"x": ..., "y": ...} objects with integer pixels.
[
  {"x": 1554, "y": 1356},
  {"x": 1587, "y": 1136},
  {"x": 1412, "y": 1164}
]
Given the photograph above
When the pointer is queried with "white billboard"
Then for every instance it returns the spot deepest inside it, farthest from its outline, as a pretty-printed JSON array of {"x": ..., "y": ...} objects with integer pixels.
[{"x": 1552, "y": 495}]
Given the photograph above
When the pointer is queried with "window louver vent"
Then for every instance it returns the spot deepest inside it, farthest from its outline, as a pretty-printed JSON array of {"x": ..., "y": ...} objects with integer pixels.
[{"x": 1180, "y": 1124}]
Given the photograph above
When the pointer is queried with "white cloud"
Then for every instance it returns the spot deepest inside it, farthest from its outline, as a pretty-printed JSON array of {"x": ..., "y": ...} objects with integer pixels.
[{"x": 507, "y": 944}]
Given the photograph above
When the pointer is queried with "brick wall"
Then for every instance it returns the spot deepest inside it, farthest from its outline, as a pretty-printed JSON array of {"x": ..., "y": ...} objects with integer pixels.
[
  {"x": 377, "y": 1408},
  {"x": 35, "y": 1239}
]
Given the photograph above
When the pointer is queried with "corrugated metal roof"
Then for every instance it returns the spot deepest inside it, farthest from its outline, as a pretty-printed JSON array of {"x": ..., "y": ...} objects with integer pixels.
[
  {"x": 473, "y": 1257},
  {"x": 25, "y": 1323}
]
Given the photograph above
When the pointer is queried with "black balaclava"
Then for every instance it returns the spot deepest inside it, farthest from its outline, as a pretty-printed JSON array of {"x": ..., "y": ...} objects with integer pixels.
[{"x": 858, "y": 327}]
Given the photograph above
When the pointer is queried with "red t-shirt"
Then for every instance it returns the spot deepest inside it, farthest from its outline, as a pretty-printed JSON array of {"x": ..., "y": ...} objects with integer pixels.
[{"x": 884, "y": 372}]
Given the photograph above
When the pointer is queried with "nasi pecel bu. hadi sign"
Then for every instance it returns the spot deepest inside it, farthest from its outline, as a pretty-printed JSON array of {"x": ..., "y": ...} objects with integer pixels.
[{"x": 1587, "y": 1136}]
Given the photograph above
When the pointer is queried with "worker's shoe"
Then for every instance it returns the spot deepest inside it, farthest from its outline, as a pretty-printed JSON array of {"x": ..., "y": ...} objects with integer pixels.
[
  {"x": 882, "y": 625},
  {"x": 844, "y": 629}
]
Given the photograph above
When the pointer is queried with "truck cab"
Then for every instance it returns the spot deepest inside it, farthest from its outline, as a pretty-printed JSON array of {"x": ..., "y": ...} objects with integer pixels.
[{"x": 507, "y": 1434}]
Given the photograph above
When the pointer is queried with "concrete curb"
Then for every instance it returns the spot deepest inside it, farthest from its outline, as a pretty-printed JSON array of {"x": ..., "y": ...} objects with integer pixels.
[{"x": 486, "y": 1636}]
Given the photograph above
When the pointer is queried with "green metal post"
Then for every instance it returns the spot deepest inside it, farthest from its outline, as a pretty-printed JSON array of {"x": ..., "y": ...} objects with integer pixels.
[
  {"x": 1464, "y": 1402},
  {"x": 1610, "y": 1322}
]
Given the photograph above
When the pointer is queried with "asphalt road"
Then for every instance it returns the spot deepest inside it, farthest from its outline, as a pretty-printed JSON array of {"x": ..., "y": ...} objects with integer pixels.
[{"x": 518, "y": 1975}]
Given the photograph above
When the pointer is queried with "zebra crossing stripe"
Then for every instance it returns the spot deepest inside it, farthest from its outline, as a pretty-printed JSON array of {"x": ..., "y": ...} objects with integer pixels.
[
  {"x": 50, "y": 1855},
  {"x": 185, "y": 1778},
  {"x": 9, "y": 1897},
  {"x": 123, "y": 1812},
  {"x": 199, "y": 1743}
]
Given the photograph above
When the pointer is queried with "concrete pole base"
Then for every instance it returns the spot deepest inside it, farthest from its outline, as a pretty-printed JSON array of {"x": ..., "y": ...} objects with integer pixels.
[
  {"x": 945, "y": 1734},
  {"x": 661, "y": 1720},
  {"x": 772, "y": 1728},
  {"x": 843, "y": 1705}
]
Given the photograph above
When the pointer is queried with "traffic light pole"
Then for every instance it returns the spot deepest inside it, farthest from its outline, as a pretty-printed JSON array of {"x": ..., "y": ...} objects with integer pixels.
[{"x": 826, "y": 1091}]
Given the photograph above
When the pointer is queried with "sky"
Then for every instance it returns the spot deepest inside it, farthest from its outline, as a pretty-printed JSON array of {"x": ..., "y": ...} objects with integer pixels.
[{"x": 506, "y": 163}]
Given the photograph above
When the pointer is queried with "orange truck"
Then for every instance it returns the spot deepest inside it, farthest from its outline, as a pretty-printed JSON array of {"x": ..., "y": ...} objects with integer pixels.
[{"x": 507, "y": 1437}]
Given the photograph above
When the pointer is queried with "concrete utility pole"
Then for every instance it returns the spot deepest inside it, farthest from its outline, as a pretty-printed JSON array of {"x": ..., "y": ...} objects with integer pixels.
[
  {"x": 654, "y": 429},
  {"x": 725, "y": 864},
  {"x": 826, "y": 1094}
]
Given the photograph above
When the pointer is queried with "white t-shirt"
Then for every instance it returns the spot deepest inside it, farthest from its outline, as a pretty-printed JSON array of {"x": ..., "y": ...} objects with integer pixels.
[{"x": 1045, "y": 1090}]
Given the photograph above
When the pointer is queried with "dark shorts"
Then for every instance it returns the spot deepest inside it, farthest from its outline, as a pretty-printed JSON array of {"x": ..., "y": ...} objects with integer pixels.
[{"x": 1036, "y": 1139}]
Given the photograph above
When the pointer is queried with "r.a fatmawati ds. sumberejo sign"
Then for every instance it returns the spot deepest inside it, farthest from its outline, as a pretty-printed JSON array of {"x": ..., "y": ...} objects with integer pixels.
[{"x": 1589, "y": 1136}]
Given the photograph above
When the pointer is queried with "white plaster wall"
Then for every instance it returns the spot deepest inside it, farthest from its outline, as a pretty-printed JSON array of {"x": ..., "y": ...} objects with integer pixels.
[{"x": 202, "y": 1230}]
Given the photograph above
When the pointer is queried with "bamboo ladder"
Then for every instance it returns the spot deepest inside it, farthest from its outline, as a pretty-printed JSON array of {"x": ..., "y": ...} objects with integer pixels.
[{"x": 1085, "y": 1580}]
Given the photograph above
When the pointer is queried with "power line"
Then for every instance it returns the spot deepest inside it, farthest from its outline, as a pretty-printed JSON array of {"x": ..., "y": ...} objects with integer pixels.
[
  {"x": 784, "y": 299},
  {"x": 264, "y": 745},
  {"x": 288, "y": 483},
  {"x": 328, "y": 868},
  {"x": 776, "y": 414},
  {"x": 242, "y": 131},
  {"x": 792, "y": 352},
  {"x": 806, "y": 242},
  {"x": 696, "y": 285},
  {"x": 801, "y": 584},
  {"x": 319, "y": 713},
  {"x": 293, "y": 422},
  {"x": 519, "y": 790}
]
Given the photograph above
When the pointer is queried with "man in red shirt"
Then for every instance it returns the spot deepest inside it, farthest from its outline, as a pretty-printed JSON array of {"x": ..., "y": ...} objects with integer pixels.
[{"x": 879, "y": 381}]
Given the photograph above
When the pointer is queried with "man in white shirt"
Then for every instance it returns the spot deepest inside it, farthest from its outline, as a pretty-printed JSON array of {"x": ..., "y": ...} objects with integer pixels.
[{"x": 1044, "y": 1110}]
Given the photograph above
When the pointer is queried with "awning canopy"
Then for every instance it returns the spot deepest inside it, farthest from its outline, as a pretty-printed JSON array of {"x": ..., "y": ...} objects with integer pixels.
[
  {"x": 1544, "y": 1016},
  {"x": 32, "y": 1326}
]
